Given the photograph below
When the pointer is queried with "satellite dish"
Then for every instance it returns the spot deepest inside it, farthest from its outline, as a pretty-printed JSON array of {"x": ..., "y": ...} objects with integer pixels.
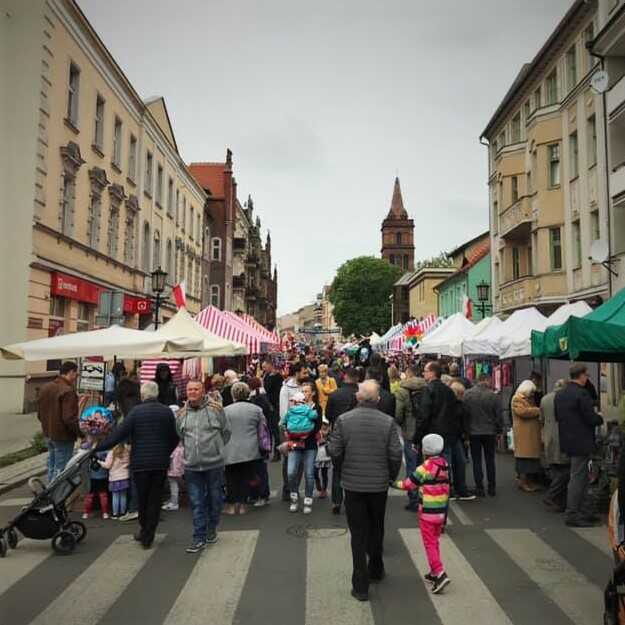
[
  {"x": 599, "y": 251},
  {"x": 600, "y": 81}
]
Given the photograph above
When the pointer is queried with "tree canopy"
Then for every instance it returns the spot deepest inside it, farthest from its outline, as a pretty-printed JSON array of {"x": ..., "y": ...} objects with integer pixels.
[
  {"x": 442, "y": 260},
  {"x": 360, "y": 294}
]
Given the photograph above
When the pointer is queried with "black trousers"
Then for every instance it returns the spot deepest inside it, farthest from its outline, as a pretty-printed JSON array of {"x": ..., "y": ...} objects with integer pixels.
[
  {"x": 365, "y": 517},
  {"x": 485, "y": 443},
  {"x": 150, "y": 485},
  {"x": 337, "y": 491},
  {"x": 238, "y": 479}
]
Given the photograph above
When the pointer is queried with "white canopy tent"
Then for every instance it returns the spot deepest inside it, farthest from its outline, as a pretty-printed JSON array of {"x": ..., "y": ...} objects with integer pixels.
[
  {"x": 106, "y": 343},
  {"x": 210, "y": 345},
  {"x": 509, "y": 339},
  {"x": 575, "y": 309},
  {"x": 447, "y": 338}
]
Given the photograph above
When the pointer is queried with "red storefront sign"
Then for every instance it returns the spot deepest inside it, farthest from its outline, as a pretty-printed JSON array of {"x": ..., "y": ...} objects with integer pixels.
[
  {"x": 137, "y": 305},
  {"x": 63, "y": 285}
]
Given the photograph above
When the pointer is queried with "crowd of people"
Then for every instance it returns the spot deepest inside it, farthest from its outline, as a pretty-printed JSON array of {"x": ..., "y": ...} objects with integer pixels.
[{"x": 342, "y": 426}]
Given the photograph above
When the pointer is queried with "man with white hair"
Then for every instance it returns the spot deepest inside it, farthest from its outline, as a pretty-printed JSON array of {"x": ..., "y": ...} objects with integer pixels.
[
  {"x": 230, "y": 377},
  {"x": 366, "y": 443},
  {"x": 152, "y": 428}
]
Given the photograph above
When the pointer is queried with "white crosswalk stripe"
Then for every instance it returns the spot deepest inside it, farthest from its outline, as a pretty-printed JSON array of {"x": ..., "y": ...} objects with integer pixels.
[
  {"x": 19, "y": 563},
  {"x": 213, "y": 590},
  {"x": 596, "y": 536},
  {"x": 461, "y": 515},
  {"x": 468, "y": 600},
  {"x": 103, "y": 581},
  {"x": 573, "y": 593},
  {"x": 328, "y": 583},
  {"x": 15, "y": 502}
]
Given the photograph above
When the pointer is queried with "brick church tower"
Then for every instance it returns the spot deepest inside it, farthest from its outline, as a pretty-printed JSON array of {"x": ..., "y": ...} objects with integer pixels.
[{"x": 398, "y": 233}]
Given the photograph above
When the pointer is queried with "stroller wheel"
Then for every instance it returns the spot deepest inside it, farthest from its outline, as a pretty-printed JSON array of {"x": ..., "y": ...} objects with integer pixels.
[
  {"x": 64, "y": 543},
  {"x": 78, "y": 529},
  {"x": 3, "y": 547},
  {"x": 12, "y": 538}
]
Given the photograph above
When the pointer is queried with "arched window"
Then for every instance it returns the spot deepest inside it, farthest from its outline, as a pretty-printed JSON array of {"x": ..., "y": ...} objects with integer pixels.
[
  {"x": 391, "y": 259},
  {"x": 169, "y": 262},
  {"x": 156, "y": 250},
  {"x": 145, "y": 258},
  {"x": 405, "y": 261},
  {"x": 398, "y": 238},
  {"x": 216, "y": 249},
  {"x": 215, "y": 295}
]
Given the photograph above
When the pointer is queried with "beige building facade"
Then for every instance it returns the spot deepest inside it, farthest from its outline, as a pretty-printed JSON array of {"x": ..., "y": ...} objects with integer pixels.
[
  {"x": 98, "y": 195},
  {"x": 422, "y": 296},
  {"x": 547, "y": 172}
]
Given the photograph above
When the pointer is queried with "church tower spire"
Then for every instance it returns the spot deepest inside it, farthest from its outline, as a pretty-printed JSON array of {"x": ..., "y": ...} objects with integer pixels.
[{"x": 398, "y": 233}]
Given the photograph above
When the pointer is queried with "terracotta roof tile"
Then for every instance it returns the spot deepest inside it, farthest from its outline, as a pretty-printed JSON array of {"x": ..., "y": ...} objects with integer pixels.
[
  {"x": 211, "y": 176},
  {"x": 478, "y": 252}
]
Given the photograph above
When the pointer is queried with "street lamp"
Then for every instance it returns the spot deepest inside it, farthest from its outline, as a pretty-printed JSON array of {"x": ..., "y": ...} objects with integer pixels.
[
  {"x": 482, "y": 296},
  {"x": 158, "y": 286}
]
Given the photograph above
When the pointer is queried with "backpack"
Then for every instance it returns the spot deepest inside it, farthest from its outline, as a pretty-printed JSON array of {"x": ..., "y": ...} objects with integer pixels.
[{"x": 417, "y": 414}]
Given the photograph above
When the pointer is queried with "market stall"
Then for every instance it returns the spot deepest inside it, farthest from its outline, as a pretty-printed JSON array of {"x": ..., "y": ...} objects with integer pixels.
[{"x": 447, "y": 338}]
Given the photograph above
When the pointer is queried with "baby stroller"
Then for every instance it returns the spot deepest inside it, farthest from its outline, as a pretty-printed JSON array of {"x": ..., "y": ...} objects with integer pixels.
[{"x": 46, "y": 516}]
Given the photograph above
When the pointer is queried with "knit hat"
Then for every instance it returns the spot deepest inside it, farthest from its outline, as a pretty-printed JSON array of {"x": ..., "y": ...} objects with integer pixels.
[
  {"x": 432, "y": 444},
  {"x": 299, "y": 398}
]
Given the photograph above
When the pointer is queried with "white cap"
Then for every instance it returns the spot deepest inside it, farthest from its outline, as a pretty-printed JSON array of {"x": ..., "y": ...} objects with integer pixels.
[{"x": 432, "y": 444}]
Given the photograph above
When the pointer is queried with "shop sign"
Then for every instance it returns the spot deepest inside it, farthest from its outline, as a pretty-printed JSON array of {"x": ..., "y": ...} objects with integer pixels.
[
  {"x": 137, "y": 305},
  {"x": 91, "y": 375},
  {"x": 74, "y": 288}
]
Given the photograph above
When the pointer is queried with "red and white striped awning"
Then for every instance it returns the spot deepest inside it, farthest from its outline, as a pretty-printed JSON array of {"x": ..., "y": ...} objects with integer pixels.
[
  {"x": 272, "y": 337},
  {"x": 147, "y": 372},
  {"x": 228, "y": 326}
]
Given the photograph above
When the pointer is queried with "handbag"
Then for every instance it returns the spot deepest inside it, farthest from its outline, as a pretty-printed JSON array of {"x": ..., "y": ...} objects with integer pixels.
[{"x": 264, "y": 436}]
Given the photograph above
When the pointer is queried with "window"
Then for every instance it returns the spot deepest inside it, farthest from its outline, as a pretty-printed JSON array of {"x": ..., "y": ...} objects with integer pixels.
[
  {"x": 198, "y": 230},
  {"x": 391, "y": 259},
  {"x": 529, "y": 259},
  {"x": 595, "y": 228},
  {"x": 515, "y": 188},
  {"x": 73, "y": 93},
  {"x": 398, "y": 238},
  {"x": 215, "y": 295},
  {"x": 577, "y": 244},
  {"x": 528, "y": 182},
  {"x": 589, "y": 35},
  {"x": 592, "y": 141},
  {"x": 132, "y": 158},
  {"x": 149, "y": 162},
  {"x": 169, "y": 262},
  {"x": 93, "y": 221},
  {"x": 555, "y": 248},
  {"x": 571, "y": 67},
  {"x": 553, "y": 152},
  {"x": 156, "y": 250},
  {"x": 191, "y": 221},
  {"x": 177, "y": 207},
  {"x": 574, "y": 155},
  {"x": 129, "y": 240},
  {"x": 57, "y": 307},
  {"x": 406, "y": 262},
  {"x": 502, "y": 139},
  {"x": 184, "y": 214},
  {"x": 516, "y": 263},
  {"x": 117, "y": 142},
  {"x": 98, "y": 135},
  {"x": 159, "y": 184},
  {"x": 537, "y": 99},
  {"x": 527, "y": 110},
  {"x": 190, "y": 277},
  {"x": 170, "y": 197},
  {"x": 146, "y": 247},
  {"x": 111, "y": 243},
  {"x": 516, "y": 128},
  {"x": 551, "y": 86},
  {"x": 84, "y": 317},
  {"x": 67, "y": 207},
  {"x": 216, "y": 249}
]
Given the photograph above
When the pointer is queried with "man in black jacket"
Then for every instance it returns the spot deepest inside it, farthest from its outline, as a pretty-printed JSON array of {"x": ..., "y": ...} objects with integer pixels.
[
  {"x": 577, "y": 420},
  {"x": 340, "y": 402},
  {"x": 151, "y": 427},
  {"x": 272, "y": 382}
]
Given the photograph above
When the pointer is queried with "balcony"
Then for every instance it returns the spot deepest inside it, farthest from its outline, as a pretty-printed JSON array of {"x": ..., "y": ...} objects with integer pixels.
[
  {"x": 616, "y": 97},
  {"x": 252, "y": 259},
  {"x": 238, "y": 282},
  {"x": 517, "y": 293},
  {"x": 239, "y": 245},
  {"x": 617, "y": 181},
  {"x": 516, "y": 221}
]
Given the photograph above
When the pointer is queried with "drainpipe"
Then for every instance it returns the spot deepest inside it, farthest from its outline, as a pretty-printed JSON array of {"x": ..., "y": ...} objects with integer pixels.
[{"x": 493, "y": 253}]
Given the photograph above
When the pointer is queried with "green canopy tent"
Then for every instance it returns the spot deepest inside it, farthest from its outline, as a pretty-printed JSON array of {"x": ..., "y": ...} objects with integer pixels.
[{"x": 597, "y": 337}]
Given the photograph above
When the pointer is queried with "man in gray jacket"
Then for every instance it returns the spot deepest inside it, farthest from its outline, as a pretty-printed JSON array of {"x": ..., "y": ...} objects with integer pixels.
[
  {"x": 204, "y": 431},
  {"x": 366, "y": 441},
  {"x": 486, "y": 424},
  {"x": 559, "y": 462}
]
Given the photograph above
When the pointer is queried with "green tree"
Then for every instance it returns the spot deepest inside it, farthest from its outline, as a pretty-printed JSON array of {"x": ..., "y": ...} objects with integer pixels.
[
  {"x": 442, "y": 260},
  {"x": 360, "y": 294}
]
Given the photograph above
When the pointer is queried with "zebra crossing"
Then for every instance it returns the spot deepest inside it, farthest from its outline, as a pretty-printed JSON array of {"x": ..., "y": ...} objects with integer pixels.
[{"x": 222, "y": 585}]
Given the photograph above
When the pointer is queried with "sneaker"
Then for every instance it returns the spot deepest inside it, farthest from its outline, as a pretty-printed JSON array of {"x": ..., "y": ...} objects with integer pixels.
[
  {"x": 580, "y": 522},
  {"x": 211, "y": 537},
  {"x": 440, "y": 582},
  {"x": 169, "y": 506},
  {"x": 467, "y": 497},
  {"x": 293, "y": 507},
  {"x": 196, "y": 547},
  {"x": 428, "y": 577},
  {"x": 323, "y": 494},
  {"x": 129, "y": 516},
  {"x": 308, "y": 505},
  {"x": 480, "y": 492},
  {"x": 85, "y": 516},
  {"x": 105, "y": 516},
  {"x": 361, "y": 596},
  {"x": 261, "y": 503}
]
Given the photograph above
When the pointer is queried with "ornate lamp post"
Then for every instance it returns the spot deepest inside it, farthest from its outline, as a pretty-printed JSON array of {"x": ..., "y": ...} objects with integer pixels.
[
  {"x": 158, "y": 286},
  {"x": 482, "y": 296}
]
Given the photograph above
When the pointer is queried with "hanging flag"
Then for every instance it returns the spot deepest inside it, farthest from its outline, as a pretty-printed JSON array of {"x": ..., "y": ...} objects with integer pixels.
[
  {"x": 467, "y": 307},
  {"x": 180, "y": 295}
]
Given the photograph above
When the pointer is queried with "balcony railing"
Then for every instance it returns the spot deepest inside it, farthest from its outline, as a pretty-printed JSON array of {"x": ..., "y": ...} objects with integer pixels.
[
  {"x": 517, "y": 293},
  {"x": 516, "y": 221},
  {"x": 239, "y": 245}
]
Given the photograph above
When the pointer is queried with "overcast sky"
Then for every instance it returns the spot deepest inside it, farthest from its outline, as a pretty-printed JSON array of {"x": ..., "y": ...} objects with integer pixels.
[{"x": 322, "y": 103}]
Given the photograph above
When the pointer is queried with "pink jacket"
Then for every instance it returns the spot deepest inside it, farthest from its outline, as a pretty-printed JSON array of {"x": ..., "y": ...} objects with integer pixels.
[
  {"x": 118, "y": 467},
  {"x": 176, "y": 465}
]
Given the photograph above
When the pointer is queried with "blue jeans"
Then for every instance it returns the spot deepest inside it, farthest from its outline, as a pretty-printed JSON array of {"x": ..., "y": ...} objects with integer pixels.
[
  {"x": 296, "y": 457},
  {"x": 59, "y": 453},
  {"x": 410, "y": 457},
  {"x": 119, "y": 498},
  {"x": 205, "y": 494},
  {"x": 457, "y": 461}
]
